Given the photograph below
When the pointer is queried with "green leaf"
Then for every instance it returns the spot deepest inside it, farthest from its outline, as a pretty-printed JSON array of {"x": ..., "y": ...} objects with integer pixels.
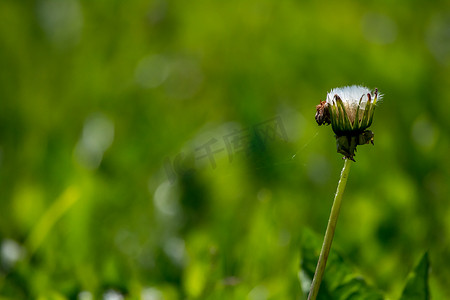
[
  {"x": 416, "y": 287},
  {"x": 340, "y": 280}
]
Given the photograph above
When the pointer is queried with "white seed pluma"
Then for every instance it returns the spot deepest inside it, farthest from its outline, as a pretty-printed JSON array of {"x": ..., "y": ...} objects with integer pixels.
[{"x": 350, "y": 95}]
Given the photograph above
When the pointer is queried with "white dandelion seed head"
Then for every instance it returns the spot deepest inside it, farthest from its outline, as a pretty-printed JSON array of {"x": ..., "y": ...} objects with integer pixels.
[
  {"x": 350, "y": 111},
  {"x": 350, "y": 96}
]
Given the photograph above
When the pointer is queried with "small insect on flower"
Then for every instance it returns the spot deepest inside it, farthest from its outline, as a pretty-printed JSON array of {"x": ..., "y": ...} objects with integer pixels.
[{"x": 350, "y": 112}]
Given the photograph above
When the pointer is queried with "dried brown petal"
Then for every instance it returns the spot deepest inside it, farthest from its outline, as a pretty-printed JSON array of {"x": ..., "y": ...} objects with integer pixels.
[{"x": 323, "y": 113}]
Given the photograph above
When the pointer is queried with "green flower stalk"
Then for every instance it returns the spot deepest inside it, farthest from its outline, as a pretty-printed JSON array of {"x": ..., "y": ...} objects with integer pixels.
[{"x": 350, "y": 111}]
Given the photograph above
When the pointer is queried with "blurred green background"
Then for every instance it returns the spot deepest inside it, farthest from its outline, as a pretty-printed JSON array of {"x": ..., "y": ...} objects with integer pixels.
[{"x": 106, "y": 108}]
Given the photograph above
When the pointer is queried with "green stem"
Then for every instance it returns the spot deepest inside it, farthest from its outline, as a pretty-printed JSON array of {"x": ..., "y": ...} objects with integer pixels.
[{"x": 329, "y": 234}]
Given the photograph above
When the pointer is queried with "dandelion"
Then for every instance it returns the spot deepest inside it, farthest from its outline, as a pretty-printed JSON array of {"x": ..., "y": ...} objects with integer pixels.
[{"x": 350, "y": 111}]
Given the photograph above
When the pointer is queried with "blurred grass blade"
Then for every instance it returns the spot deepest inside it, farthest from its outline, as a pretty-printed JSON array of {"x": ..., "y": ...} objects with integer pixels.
[
  {"x": 50, "y": 217},
  {"x": 416, "y": 287}
]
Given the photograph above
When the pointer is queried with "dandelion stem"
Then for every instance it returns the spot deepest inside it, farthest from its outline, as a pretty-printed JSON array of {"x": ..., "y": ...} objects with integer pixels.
[{"x": 329, "y": 234}]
